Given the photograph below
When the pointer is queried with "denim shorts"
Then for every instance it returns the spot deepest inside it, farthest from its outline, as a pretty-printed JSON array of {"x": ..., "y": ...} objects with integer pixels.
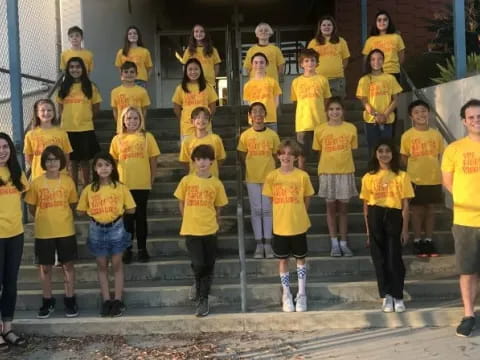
[{"x": 105, "y": 241}]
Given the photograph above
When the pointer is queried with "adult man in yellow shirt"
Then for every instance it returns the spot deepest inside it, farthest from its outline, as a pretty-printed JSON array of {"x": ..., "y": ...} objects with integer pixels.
[{"x": 461, "y": 177}]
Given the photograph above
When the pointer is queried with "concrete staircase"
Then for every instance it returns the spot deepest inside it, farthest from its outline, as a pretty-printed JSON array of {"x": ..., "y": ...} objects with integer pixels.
[{"x": 342, "y": 292}]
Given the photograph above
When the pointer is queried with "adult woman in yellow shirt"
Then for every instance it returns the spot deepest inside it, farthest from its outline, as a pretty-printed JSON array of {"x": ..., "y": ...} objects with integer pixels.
[
  {"x": 384, "y": 36},
  {"x": 385, "y": 194},
  {"x": 333, "y": 54},
  {"x": 12, "y": 184}
]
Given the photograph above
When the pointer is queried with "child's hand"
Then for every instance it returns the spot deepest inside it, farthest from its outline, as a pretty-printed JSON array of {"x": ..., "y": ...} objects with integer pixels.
[
  {"x": 404, "y": 238},
  {"x": 380, "y": 118},
  {"x": 367, "y": 242}
]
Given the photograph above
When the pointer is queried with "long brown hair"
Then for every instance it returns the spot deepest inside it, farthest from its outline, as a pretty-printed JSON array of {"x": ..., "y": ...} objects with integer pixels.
[
  {"x": 126, "y": 43},
  {"x": 206, "y": 42},
  {"x": 36, "y": 120},
  {"x": 334, "y": 38}
]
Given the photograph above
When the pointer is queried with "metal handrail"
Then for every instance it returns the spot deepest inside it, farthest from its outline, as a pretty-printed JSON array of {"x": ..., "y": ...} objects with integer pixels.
[
  {"x": 28, "y": 76},
  {"x": 439, "y": 122},
  {"x": 43, "y": 88}
]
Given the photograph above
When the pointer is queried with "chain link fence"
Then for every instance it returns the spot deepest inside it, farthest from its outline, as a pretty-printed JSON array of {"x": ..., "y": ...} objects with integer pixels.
[{"x": 39, "y": 51}]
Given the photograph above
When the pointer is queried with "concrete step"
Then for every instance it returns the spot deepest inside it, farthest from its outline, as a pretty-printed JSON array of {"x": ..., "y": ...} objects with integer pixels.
[
  {"x": 158, "y": 294},
  {"x": 358, "y": 268},
  {"x": 228, "y": 319},
  {"x": 168, "y": 247}
]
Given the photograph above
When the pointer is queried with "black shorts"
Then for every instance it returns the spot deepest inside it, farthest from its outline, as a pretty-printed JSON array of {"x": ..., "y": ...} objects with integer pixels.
[
  {"x": 427, "y": 194},
  {"x": 66, "y": 248},
  {"x": 84, "y": 145},
  {"x": 285, "y": 246}
]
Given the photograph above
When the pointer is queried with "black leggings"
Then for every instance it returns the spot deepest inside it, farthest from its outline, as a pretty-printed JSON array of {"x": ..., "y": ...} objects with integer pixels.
[
  {"x": 136, "y": 224},
  {"x": 202, "y": 250},
  {"x": 385, "y": 225}
]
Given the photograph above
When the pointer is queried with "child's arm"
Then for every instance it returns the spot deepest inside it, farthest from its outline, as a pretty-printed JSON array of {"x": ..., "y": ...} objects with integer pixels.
[
  {"x": 404, "y": 159},
  {"x": 130, "y": 211},
  {"x": 81, "y": 213},
  {"x": 368, "y": 108},
  {"x": 345, "y": 62},
  {"x": 177, "y": 109},
  {"x": 401, "y": 56},
  {"x": 365, "y": 217},
  {"x": 181, "y": 206},
  {"x": 389, "y": 110},
  {"x": 212, "y": 107},
  {"x": 115, "y": 115},
  {"x": 306, "y": 200},
  {"x": 144, "y": 112},
  {"x": 277, "y": 100},
  {"x": 405, "y": 216},
  {"x": 95, "y": 109},
  {"x": 60, "y": 110},
  {"x": 447, "y": 180},
  {"x": 153, "y": 168},
  {"x": 218, "y": 210},
  {"x": 216, "y": 69},
  {"x": 29, "y": 159},
  {"x": 32, "y": 209},
  {"x": 281, "y": 69}
]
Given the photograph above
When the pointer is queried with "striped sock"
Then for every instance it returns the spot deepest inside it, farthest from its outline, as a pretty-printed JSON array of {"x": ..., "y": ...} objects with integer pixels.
[
  {"x": 302, "y": 278},
  {"x": 285, "y": 280}
]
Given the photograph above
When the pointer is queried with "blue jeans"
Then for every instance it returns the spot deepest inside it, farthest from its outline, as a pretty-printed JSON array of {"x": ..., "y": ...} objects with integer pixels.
[
  {"x": 374, "y": 133},
  {"x": 11, "y": 250},
  {"x": 106, "y": 241}
]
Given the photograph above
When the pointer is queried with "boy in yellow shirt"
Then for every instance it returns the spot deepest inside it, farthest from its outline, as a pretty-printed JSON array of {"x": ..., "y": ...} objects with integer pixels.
[
  {"x": 128, "y": 94},
  {"x": 310, "y": 91},
  {"x": 290, "y": 190},
  {"x": 201, "y": 121},
  {"x": 201, "y": 196},
  {"x": 421, "y": 147},
  {"x": 75, "y": 36},
  {"x": 461, "y": 177}
]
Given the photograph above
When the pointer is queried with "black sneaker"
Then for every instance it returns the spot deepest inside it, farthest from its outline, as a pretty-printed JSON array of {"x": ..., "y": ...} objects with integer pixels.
[
  {"x": 127, "y": 256},
  {"x": 430, "y": 249},
  {"x": 106, "y": 308},
  {"x": 71, "y": 307},
  {"x": 420, "y": 249},
  {"x": 48, "y": 307},
  {"x": 202, "y": 307},
  {"x": 118, "y": 307},
  {"x": 143, "y": 256},
  {"x": 466, "y": 326}
]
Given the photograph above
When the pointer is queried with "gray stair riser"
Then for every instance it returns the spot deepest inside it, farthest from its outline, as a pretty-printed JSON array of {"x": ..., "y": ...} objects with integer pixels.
[
  {"x": 265, "y": 294},
  {"x": 228, "y": 246}
]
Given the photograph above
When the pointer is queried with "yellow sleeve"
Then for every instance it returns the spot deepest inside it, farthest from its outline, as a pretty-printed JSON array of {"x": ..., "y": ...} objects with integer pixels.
[
  {"x": 145, "y": 98},
  {"x": 247, "y": 62},
  {"x": 279, "y": 56},
  {"x": 326, "y": 89},
  {"x": 448, "y": 159},
  {"x": 345, "y": 53},
  {"x": 186, "y": 56},
  {"x": 241, "y": 143},
  {"x": 311, "y": 43},
  {"x": 148, "y": 59},
  {"x": 63, "y": 63},
  {"x": 118, "y": 58},
  {"x": 307, "y": 186},
  {"x": 177, "y": 97},
  {"x": 128, "y": 202},
  {"x": 31, "y": 195},
  {"x": 96, "y": 97},
  {"x": 72, "y": 195},
  {"x": 83, "y": 201},
  {"x": 276, "y": 142},
  {"x": 293, "y": 93},
  {"x": 276, "y": 88},
  {"x": 90, "y": 67},
  {"x": 400, "y": 43},
  {"x": 362, "y": 88},
  {"x": 407, "y": 191},
  {"x": 219, "y": 149},
  {"x": 405, "y": 145},
  {"x": 317, "y": 144},
  {"x": 365, "y": 191},
  {"x": 27, "y": 146},
  {"x": 113, "y": 99},
  {"x": 211, "y": 94},
  {"x": 221, "y": 198},
  {"x": 367, "y": 47},
  {"x": 354, "y": 142},
  {"x": 184, "y": 155},
  {"x": 66, "y": 146},
  {"x": 246, "y": 92},
  {"x": 441, "y": 144},
  {"x": 180, "y": 191},
  {"x": 267, "y": 185},
  {"x": 152, "y": 146},
  {"x": 216, "y": 57},
  {"x": 395, "y": 86},
  {"x": 26, "y": 184},
  {"x": 114, "y": 151}
]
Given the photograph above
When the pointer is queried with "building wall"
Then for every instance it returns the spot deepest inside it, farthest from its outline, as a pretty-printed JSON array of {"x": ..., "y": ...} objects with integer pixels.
[
  {"x": 408, "y": 16},
  {"x": 104, "y": 25}
]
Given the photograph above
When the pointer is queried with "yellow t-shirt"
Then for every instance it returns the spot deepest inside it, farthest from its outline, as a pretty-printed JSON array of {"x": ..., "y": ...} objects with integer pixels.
[
  {"x": 378, "y": 89},
  {"x": 273, "y": 54},
  {"x": 462, "y": 158},
  {"x": 259, "y": 146},
  {"x": 189, "y": 101},
  {"x": 208, "y": 62},
  {"x": 265, "y": 91},
  {"x": 331, "y": 56},
  {"x": 288, "y": 191},
  {"x": 191, "y": 142},
  {"x": 423, "y": 149},
  {"x": 84, "y": 54},
  {"x": 38, "y": 139},
  {"x": 11, "y": 218},
  {"x": 386, "y": 189},
  {"x": 140, "y": 56},
  {"x": 310, "y": 94},
  {"x": 52, "y": 198},
  {"x": 200, "y": 196},
  {"x": 77, "y": 112},
  {"x": 106, "y": 204},
  {"x": 390, "y": 44},
  {"x": 133, "y": 153},
  {"x": 335, "y": 144},
  {"x": 124, "y": 96}
]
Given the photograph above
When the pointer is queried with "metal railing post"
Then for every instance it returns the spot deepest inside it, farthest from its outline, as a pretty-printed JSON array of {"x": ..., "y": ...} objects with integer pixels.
[
  {"x": 15, "y": 77},
  {"x": 364, "y": 15},
  {"x": 459, "y": 38}
]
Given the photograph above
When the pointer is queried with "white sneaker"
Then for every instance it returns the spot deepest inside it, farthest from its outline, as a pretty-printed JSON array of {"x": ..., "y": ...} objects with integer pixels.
[
  {"x": 387, "y": 305},
  {"x": 346, "y": 250},
  {"x": 258, "y": 252},
  {"x": 399, "y": 305},
  {"x": 335, "y": 252},
  {"x": 287, "y": 303},
  {"x": 268, "y": 251},
  {"x": 301, "y": 303}
]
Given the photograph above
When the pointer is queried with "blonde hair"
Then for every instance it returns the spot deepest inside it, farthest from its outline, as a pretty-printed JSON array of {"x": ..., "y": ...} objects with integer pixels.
[
  {"x": 141, "y": 126},
  {"x": 264, "y": 24},
  {"x": 292, "y": 144}
]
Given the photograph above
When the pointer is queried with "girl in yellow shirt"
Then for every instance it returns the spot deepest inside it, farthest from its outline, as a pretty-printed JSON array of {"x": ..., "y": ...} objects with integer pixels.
[
  {"x": 44, "y": 132},
  {"x": 200, "y": 46},
  {"x": 105, "y": 201},
  {"x": 134, "y": 51},
  {"x": 194, "y": 91},
  {"x": 264, "y": 89},
  {"x": 12, "y": 184},
  {"x": 136, "y": 153},
  {"x": 336, "y": 172},
  {"x": 257, "y": 147},
  {"x": 50, "y": 201},
  {"x": 385, "y": 194},
  {"x": 333, "y": 54},
  {"x": 384, "y": 36},
  {"x": 378, "y": 92},
  {"x": 78, "y": 101}
]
